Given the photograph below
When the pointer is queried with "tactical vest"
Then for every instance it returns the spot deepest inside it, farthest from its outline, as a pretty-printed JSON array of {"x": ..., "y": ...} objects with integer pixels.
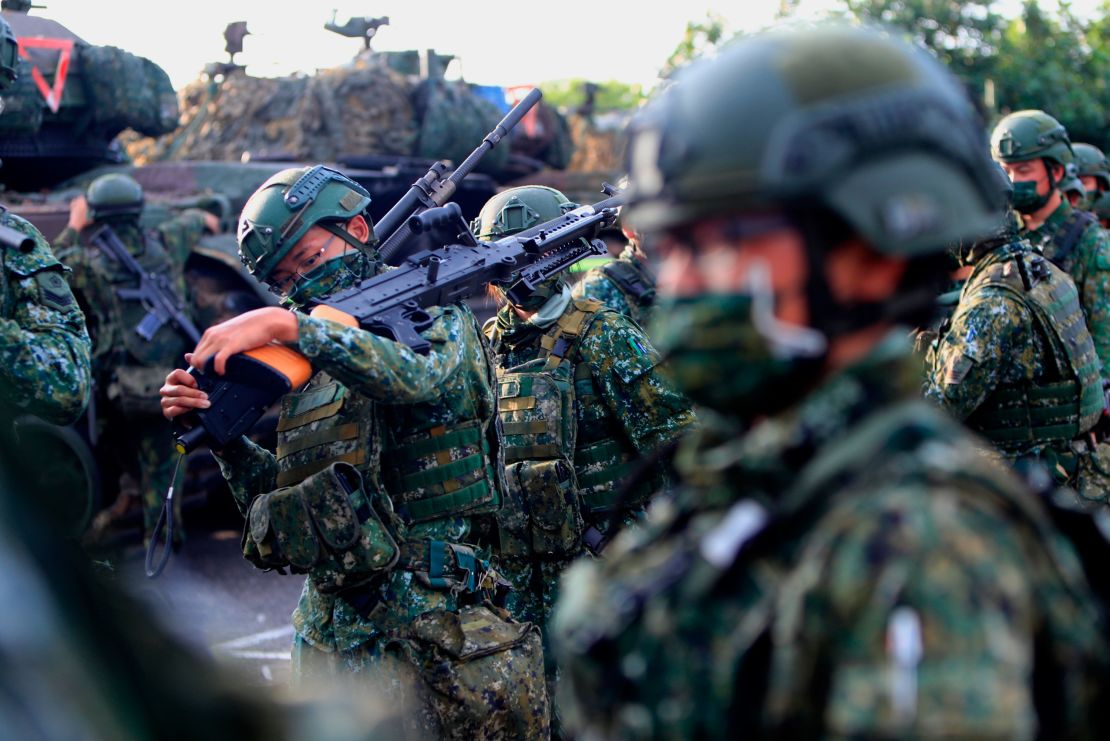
[
  {"x": 167, "y": 345},
  {"x": 550, "y": 455},
  {"x": 1016, "y": 416},
  {"x": 1065, "y": 239},
  {"x": 324, "y": 424}
]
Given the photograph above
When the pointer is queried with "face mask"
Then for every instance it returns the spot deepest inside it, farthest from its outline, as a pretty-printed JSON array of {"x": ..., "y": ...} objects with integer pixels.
[
  {"x": 1026, "y": 198},
  {"x": 332, "y": 276},
  {"x": 729, "y": 352}
]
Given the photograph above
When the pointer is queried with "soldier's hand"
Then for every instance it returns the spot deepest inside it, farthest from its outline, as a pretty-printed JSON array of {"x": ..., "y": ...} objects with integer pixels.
[
  {"x": 180, "y": 394},
  {"x": 78, "y": 213},
  {"x": 244, "y": 332}
]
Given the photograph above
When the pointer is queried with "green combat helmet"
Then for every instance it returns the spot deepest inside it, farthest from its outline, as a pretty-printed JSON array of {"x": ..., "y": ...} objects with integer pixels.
[
  {"x": 1072, "y": 187},
  {"x": 514, "y": 210},
  {"x": 865, "y": 126},
  {"x": 9, "y": 56},
  {"x": 114, "y": 196},
  {"x": 291, "y": 202},
  {"x": 1092, "y": 163}
]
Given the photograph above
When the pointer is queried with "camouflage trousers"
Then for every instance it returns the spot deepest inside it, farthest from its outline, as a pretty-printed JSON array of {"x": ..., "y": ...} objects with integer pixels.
[{"x": 443, "y": 669}]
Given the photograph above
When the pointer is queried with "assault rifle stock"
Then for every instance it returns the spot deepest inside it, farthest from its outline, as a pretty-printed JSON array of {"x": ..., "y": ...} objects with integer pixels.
[
  {"x": 157, "y": 295},
  {"x": 394, "y": 304}
]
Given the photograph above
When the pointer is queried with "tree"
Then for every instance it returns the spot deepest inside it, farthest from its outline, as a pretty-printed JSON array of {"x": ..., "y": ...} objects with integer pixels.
[{"x": 700, "y": 38}]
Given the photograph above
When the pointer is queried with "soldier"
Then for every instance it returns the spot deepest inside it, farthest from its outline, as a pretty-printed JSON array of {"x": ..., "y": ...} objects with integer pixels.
[
  {"x": 1094, "y": 172},
  {"x": 624, "y": 284},
  {"x": 839, "y": 562},
  {"x": 129, "y": 368},
  {"x": 581, "y": 400},
  {"x": 1034, "y": 150},
  {"x": 1016, "y": 362},
  {"x": 397, "y": 446}
]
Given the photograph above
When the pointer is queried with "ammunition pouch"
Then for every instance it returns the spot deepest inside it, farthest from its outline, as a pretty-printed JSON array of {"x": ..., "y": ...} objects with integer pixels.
[
  {"x": 1092, "y": 476},
  {"x": 549, "y": 497},
  {"x": 481, "y": 670},
  {"x": 325, "y": 526}
]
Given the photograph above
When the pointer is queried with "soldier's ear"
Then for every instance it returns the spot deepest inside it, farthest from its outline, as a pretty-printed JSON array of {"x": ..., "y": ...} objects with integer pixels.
[
  {"x": 358, "y": 228},
  {"x": 1057, "y": 170}
]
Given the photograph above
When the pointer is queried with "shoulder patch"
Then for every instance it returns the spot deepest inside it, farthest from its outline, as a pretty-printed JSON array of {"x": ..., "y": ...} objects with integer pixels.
[
  {"x": 957, "y": 368},
  {"x": 53, "y": 290}
]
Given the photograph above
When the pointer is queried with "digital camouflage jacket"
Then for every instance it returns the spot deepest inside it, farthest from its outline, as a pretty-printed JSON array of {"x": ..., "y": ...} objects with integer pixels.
[
  {"x": 44, "y": 347},
  {"x": 625, "y": 285},
  {"x": 1088, "y": 263},
  {"x": 849, "y": 568}
]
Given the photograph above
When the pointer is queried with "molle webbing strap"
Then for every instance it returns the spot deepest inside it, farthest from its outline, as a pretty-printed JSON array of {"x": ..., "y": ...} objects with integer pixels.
[
  {"x": 459, "y": 478},
  {"x": 1067, "y": 238},
  {"x": 317, "y": 437},
  {"x": 540, "y": 451},
  {"x": 1041, "y": 413},
  {"x": 299, "y": 473},
  {"x": 315, "y": 415},
  {"x": 527, "y": 427},
  {"x": 629, "y": 280},
  {"x": 584, "y": 381},
  {"x": 557, "y": 344}
]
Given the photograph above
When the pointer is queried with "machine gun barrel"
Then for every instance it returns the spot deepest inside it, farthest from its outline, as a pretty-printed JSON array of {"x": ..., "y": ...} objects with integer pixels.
[{"x": 433, "y": 190}]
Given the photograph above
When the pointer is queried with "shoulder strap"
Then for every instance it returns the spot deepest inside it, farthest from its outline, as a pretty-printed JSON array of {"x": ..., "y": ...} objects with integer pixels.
[
  {"x": 629, "y": 280},
  {"x": 1067, "y": 238},
  {"x": 563, "y": 335}
]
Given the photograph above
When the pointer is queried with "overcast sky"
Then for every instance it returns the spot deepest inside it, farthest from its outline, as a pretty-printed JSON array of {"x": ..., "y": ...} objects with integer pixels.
[{"x": 499, "y": 43}]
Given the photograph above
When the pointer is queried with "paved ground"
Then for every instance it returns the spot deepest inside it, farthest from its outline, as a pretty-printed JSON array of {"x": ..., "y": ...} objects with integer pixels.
[{"x": 218, "y": 602}]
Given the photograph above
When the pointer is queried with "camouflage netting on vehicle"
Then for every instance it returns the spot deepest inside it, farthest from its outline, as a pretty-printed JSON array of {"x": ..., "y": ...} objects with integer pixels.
[
  {"x": 594, "y": 148},
  {"x": 362, "y": 109},
  {"x": 127, "y": 91},
  {"x": 23, "y": 105},
  {"x": 453, "y": 122}
]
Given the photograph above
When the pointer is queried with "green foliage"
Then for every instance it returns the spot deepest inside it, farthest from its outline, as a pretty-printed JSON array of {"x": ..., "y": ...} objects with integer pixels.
[
  {"x": 611, "y": 95},
  {"x": 699, "y": 38},
  {"x": 1052, "y": 60}
]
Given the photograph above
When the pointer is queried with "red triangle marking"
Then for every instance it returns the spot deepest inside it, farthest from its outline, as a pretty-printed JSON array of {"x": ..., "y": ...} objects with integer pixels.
[{"x": 52, "y": 94}]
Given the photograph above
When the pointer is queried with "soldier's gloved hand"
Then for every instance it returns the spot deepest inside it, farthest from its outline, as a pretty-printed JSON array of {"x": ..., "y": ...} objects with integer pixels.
[
  {"x": 78, "y": 214},
  {"x": 180, "y": 394},
  {"x": 244, "y": 332}
]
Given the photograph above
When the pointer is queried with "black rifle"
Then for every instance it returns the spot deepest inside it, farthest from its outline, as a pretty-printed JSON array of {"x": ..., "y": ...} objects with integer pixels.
[
  {"x": 156, "y": 293},
  {"x": 393, "y": 304},
  {"x": 432, "y": 190}
]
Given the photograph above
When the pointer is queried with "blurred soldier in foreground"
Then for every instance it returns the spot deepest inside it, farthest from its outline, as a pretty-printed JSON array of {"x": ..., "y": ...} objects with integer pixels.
[
  {"x": 1016, "y": 362},
  {"x": 840, "y": 562},
  {"x": 44, "y": 348},
  {"x": 582, "y": 402},
  {"x": 385, "y": 462},
  {"x": 1033, "y": 148},
  {"x": 129, "y": 367},
  {"x": 1094, "y": 172}
]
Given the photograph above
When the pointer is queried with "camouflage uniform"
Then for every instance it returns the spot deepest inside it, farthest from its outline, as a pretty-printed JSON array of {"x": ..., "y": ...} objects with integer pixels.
[
  {"x": 621, "y": 399},
  {"x": 128, "y": 370},
  {"x": 1087, "y": 260},
  {"x": 849, "y": 568},
  {"x": 625, "y": 285},
  {"x": 1016, "y": 362},
  {"x": 44, "y": 365},
  {"x": 394, "y": 404}
]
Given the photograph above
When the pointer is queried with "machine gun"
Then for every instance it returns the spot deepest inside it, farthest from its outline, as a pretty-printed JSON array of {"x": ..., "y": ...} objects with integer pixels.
[
  {"x": 155, "y": 291},
  {"x": 433, "y": 190},
  {"x": 394, "y": 304}
]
